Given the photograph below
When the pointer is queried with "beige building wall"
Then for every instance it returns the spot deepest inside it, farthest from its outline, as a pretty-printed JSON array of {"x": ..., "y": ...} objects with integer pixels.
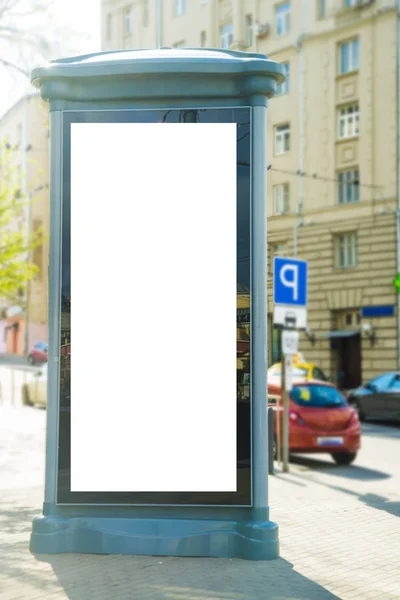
[
  {"x": 317, "y": 156},
  {"x": 25, "y": 126}
]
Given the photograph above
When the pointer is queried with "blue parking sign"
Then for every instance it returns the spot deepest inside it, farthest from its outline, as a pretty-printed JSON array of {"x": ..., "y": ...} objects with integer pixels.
[{"x": 290, "y": 281}]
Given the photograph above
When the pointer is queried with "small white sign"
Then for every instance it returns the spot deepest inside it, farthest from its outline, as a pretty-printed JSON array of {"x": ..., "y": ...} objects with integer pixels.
[
  {"x": 288, "y": 372},
  {"x": 290, "y": 341},
  {"x": 290, "y": 317}
]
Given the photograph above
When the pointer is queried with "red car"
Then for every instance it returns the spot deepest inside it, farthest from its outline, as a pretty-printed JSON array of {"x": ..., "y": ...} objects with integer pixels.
[
  {"x": 38, "y": 354},
  {"x": 320, "y": 420}
]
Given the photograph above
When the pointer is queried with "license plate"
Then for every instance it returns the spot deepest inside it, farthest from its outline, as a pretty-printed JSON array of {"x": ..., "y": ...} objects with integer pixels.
[{"x": 330, "y": 441}]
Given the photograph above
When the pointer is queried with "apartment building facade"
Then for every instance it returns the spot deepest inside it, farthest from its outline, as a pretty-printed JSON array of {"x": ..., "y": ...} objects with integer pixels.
[
  {"x": 332, "y": 154},
  {"x": 24, "y": 128}
]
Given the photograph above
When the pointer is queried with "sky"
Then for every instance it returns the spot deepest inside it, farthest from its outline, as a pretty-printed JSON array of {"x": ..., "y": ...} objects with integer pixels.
[{"x": 73, "y": 26}]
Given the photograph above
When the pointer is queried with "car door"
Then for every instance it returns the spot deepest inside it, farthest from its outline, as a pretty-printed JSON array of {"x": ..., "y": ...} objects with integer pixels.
[
  {"x": 373, "y": 401},
  {"x": 392, "y": 399}
]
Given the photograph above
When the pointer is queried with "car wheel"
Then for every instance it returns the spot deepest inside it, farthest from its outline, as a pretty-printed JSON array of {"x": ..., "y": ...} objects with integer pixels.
[
  {"x": 25, "y": 396},
  {"x": 344, "y": 458},
  {"x": 354, "y": 404}
]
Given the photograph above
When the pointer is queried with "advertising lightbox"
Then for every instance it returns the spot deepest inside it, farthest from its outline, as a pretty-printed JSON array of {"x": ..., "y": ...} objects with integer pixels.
[{"x": 155, "y": 384}]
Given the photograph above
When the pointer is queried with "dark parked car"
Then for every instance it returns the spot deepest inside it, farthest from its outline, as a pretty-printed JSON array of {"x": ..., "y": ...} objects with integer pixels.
[
  {"x": 38, "y": 354},
  {"x": 379, "y": 398}
]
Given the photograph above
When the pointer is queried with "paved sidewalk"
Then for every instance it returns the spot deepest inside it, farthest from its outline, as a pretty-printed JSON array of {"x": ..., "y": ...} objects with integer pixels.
[{"x": 339, "y": 532}]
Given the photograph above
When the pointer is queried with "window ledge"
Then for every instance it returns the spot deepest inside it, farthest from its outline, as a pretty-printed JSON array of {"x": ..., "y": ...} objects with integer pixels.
[
  {"x": 275, "y": 217},
  {"x": 341, "y": 269},
  {"x": 348, "y": 204},
  {"x": 351, "y": 138},
  {"x": 345, "y": 10},
  {"x": 346, "y": 75}
]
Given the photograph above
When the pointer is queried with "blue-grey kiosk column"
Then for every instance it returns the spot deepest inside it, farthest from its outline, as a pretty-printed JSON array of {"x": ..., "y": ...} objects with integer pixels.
[
  {"x": 259, "y": 317},
  {"x": 148, "y": 87},
  {"x": 54, "y": 324}
]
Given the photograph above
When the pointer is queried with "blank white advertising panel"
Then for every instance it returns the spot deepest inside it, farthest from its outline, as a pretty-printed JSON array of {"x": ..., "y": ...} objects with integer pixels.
[{"x": 153, "y": 281}]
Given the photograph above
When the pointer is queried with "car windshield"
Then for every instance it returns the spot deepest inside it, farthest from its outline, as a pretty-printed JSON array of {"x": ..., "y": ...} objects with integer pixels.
[
  {"x": 321, "y": 396},
  {"x": 318, "y": 374},
  {"x": 382, "y": 381}
]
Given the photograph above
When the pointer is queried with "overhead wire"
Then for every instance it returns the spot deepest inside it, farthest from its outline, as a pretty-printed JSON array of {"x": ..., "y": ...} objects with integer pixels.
[{"x": 314, "y": 176}]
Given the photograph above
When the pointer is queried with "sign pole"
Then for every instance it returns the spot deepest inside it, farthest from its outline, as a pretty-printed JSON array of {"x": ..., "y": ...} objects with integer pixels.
[
  {"x": 290, "y": 313},
  {"x": 279, "y": 420},
  {"x": 290, "y": 345},
  {"x": 286, "y": 414}
]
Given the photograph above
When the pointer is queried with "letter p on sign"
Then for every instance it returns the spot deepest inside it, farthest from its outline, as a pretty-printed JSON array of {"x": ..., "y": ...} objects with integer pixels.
[{"x": 290, "y": 281}]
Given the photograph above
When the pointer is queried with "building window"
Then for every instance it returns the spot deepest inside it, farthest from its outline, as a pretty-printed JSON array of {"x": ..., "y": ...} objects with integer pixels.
[
  {"x": 20, "y": 185},
  {"x": 19, "y": 136},
  {"x": 282, "y": 139},
  {"x": 249, "y": 29},
  {"x": 283, "y": 18},
  {"x": 145, "y": 13},
  {"x": 349, "y": 56},
  {"x": 226, "y": 36},
  {"x": 348, "y": 125},
  {"x": 279, "y": 249},
  {"x": 283, "y": 88},
  {"x": 321, "y": 9},
  {"x": 127, "y": 20},
  {"x": 346, "y": 250},
  {"x": 180, "y": 7},
  {"x": 349, "y": 186},
  {"x": 108, "y": 27},
  {"x": 281, "y": 198},
  {"x": 203, "y": 39}
]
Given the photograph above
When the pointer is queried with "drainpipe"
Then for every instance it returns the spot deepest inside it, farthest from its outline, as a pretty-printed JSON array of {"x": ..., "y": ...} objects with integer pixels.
[
  {"x": 300, "y": 50},
  {"x": 159, "y": 23},
  {"x": 398, "y": 179},
  {"x": 299, "y": 223},
  {"x": 256, "y": 12}
]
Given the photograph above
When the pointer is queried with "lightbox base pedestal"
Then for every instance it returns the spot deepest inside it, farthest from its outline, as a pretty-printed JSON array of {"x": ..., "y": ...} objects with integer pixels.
[{"x": 155, "y": 537}]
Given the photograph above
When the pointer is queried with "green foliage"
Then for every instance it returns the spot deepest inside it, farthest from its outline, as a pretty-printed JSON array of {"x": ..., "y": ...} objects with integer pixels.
[{"x": 16, "y": 242}]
